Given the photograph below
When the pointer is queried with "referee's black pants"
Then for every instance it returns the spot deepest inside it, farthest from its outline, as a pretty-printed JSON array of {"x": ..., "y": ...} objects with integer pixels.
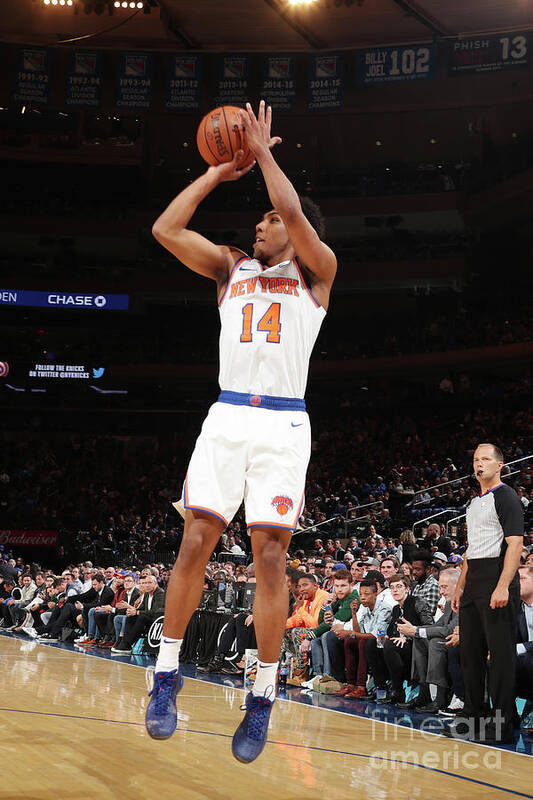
[{"x": 483, "y": 630}]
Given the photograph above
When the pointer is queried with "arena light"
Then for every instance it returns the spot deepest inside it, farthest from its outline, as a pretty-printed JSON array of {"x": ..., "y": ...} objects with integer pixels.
[{"x": 301, "y": 2}]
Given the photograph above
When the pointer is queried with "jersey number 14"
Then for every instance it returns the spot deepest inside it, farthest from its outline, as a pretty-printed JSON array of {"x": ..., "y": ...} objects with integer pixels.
[{"x": 269, "y": 323}]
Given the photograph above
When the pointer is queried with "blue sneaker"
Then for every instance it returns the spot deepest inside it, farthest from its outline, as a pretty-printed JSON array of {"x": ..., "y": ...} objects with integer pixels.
[
  {"x": 161, "y": 715},
  {"x": 250, "y": 737}
]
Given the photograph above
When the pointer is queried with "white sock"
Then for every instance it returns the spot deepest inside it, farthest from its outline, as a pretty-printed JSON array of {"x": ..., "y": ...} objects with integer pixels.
[
  {"x": 265, "y": 680},
  {"x": 169, "y": 654}
]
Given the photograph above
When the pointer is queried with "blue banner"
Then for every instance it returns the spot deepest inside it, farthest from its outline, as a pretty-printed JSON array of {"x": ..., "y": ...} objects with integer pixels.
[
  {"x": 98, "y": 302},
  {"x": 390, "y": 64},
  {"x": 134, "y": 89},
  {"x": 279, "y": 88},
  {"x": 489, "y": 53},
  {"x": 232, "y": 80},
  {"x": 183, "y": 83},
  {"x": 84, "y": 80},
  {"x": 326, "y": 83},
  {"x": 32, "y": 76}
]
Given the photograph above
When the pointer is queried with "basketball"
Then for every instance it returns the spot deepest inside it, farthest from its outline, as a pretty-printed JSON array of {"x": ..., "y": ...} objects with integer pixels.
[{"x": 220, "y": 136}]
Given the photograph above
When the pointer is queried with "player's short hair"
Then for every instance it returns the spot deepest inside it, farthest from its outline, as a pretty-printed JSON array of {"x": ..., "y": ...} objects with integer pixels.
[
  {"x": 314, "y": 215},
  {"x": 498, "y": 454}
]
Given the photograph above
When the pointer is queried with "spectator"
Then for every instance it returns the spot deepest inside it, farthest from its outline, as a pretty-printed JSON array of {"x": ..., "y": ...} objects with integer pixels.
[
  {"x": 340, "y": 612},
  {"x": 430, "y": 656},
  {"x": 139, "y": 619},
  {"x": 426, "y": 587},
  {"x": 393, "y": 660},
  {"x": 389, "y": 566},
  {"x": 407, "y": 547},
  {"x": 348, "y": 653},
  {"x": 524, "y": 647},
  {"x": 303, "y": 619}
]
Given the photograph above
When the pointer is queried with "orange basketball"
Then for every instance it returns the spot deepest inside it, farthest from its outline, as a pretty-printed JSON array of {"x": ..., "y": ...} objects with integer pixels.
[{"x": 220, "y": 136}]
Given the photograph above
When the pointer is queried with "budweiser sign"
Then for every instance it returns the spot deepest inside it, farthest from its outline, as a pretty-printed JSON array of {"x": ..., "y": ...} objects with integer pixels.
[{"x": 28, "y": 538}]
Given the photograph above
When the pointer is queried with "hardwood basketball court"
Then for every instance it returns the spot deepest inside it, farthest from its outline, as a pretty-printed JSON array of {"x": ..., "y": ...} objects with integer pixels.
[{"x": 72, "y": 727}]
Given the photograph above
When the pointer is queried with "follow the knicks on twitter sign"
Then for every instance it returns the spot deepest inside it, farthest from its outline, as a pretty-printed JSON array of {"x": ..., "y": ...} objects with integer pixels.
[{"x": 68, "y": 371}]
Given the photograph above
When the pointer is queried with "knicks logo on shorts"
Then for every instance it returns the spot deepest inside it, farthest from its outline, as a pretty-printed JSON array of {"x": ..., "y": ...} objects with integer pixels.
[{"x": 282, "y": 504}]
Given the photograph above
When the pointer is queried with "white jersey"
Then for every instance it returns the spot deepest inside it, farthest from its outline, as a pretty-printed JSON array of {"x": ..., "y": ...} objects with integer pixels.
[{"x": 269, "y": 324}]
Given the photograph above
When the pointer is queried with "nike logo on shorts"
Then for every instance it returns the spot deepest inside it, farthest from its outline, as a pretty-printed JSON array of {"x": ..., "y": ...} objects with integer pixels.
[{"x": 296, "y": 424}]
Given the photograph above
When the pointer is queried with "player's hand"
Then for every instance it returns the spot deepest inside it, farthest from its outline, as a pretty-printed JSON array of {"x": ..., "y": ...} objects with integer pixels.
[
  {"x": 248, "y": 621},
  {"x": 230, "y": 170},
  {"x": 499, "y": 597},
  {"x": 257, "y": 129}
]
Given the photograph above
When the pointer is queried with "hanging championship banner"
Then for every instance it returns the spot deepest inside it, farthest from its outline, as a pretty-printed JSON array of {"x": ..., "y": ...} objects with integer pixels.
[
  {"x": 326, "y": 83},
  {"x": 32, "y": 76},
  {"x": 390, "y": 64},
  {"x": 183, "y": 83},
  {"x": 278, "y": 88},
  {"x": 232, "y": 81},
  {"x": 84, "y": 80},
  {"x": 134, "y": 89},
  {"x": 489, "y": 53}
]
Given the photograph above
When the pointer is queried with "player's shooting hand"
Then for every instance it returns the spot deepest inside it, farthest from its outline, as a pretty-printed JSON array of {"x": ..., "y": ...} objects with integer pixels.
[
  {"x": 230, "y": 170},
  {"x": 257, "y": 129}
]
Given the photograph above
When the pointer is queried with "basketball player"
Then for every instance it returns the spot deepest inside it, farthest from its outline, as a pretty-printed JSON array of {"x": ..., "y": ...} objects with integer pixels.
[{"x": 255, "y": 442}]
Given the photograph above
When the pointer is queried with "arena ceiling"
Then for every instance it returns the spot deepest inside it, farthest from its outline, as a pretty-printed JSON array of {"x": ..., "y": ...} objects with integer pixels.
[{"x": 264, "y": 25}]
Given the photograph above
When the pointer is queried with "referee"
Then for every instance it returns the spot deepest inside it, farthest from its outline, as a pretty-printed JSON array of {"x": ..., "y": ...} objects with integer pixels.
[{"x": 487, "y": 598}]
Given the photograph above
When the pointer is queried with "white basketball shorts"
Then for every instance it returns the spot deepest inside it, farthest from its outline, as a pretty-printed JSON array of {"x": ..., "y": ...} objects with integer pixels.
[{"x": 259, "y": 455}]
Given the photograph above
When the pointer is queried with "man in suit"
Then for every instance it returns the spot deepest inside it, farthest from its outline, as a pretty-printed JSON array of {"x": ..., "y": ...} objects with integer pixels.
[
  {"x": 524, "y": 647},
  {"x": 139, "y": 619},
  {"x": 77, "y": 611},
  {"x": 430, "y": 654},
  {"x": 125, "y": 597}
]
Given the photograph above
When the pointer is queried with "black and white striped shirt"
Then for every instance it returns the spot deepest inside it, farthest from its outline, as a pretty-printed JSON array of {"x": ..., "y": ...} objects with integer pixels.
[{"x": 491, "y": 518}]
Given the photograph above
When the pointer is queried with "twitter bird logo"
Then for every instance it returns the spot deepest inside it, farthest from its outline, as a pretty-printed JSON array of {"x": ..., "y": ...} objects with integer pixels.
[{"x": 98, "y": 372}]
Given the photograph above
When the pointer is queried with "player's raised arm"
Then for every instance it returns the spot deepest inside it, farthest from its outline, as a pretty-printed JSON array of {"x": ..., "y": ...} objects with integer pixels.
[
  {"x": 315, "y": 255},
  {"x": 195, "y": 251}
]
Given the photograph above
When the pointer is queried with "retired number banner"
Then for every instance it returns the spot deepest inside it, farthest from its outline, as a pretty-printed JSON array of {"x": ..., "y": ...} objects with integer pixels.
[
  {"x": 489, "y": 53},
  {"x": 391, "y": 64}
]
